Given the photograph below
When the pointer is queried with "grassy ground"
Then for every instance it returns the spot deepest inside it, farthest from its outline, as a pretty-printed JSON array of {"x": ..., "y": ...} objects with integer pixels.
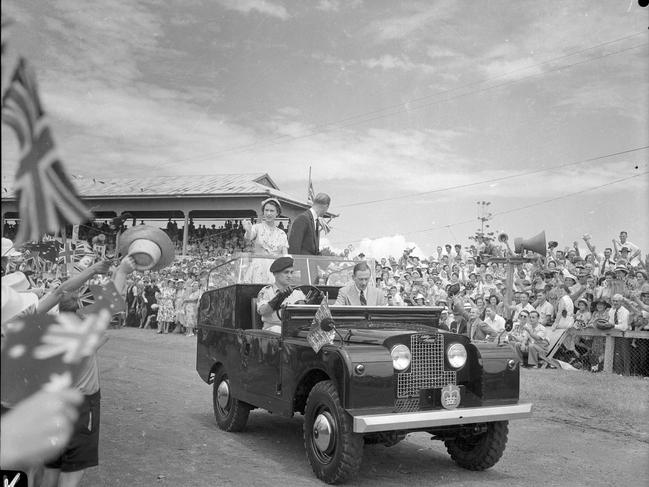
[{"x": 602, "y": 401}]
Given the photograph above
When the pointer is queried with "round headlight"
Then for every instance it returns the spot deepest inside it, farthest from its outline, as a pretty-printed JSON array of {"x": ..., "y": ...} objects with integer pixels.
[
  {"x": 400, "y": 357},
  {"x": 456, "y": 354}
]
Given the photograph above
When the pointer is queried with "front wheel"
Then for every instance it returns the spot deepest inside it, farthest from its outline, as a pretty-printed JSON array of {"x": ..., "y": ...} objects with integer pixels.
[
  {"x": 333, "y": 449},
  {"x": 482, "y": 450},
  {"x": 230, "y": 413}
]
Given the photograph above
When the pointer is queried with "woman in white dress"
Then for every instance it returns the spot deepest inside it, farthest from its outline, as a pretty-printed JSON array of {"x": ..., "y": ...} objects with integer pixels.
[
  {"x": 265, "y": 236},
  {"x": 266, "y": 239}
]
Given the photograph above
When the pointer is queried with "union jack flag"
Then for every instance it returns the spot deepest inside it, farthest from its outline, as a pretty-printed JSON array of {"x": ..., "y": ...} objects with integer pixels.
[
  {"x": 310, "y": 192},
  {"x": 73, "y": 252},
  {"x": 46, "y": 197},
  {"x": 48, "y": 249},
  {"x": 317, "y": 336}
]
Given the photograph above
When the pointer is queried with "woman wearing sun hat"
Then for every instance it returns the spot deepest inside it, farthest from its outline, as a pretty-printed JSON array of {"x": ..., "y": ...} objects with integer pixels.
[
  {"x": 265, "y": 236},
  {"x": 166, "y": 310}
]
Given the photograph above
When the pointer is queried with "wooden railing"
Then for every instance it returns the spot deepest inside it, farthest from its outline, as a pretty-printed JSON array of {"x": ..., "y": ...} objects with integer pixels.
[{"x": 609, "y": 344}]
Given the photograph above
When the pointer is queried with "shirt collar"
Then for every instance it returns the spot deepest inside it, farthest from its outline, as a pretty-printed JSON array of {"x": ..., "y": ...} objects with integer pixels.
[{"x": 314, "y": 215}]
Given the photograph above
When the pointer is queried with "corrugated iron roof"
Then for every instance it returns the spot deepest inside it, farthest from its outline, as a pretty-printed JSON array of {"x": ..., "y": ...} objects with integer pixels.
[{"x": 219, "y": 184}]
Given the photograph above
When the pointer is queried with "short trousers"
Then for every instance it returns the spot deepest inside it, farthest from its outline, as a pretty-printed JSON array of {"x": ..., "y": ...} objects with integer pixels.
[{"x": 83, "y": 448}]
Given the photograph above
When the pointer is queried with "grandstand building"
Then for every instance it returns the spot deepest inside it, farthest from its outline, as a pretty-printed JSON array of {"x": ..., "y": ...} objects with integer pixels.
[{"x": 201, "y": 198}]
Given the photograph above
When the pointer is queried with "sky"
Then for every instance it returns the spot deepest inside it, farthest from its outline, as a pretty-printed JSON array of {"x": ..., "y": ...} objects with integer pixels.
[{"x": 409, "y": 114}]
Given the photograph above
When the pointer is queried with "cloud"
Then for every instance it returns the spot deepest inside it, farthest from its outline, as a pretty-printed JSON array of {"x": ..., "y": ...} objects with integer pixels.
[
  {"x": 376, "y": 248},
  {"x": 261, "y": 6},
  {"x": 403, "y": 63},
  {"x": 406, "y": 26},
  {"x": 390, "y": 246},
  {"x": 512, "y": 69},
  {"x": 328, "y": 5},
  {"x": 599, "y": 96}
]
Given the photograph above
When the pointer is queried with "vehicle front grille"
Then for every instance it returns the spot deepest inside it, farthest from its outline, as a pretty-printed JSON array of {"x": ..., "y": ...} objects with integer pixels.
[
  {"x": 406, "y": 405},
  {"x": 426, "y": 367}
]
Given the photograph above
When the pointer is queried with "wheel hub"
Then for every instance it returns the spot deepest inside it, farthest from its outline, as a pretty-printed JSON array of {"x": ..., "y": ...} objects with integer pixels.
[
  {"x": 223, "y": 394},
  {"x": 324, "y": 432}
]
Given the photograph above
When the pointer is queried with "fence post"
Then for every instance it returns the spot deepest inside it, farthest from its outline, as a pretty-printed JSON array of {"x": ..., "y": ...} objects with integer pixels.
[{"x": 609, "y": 353}]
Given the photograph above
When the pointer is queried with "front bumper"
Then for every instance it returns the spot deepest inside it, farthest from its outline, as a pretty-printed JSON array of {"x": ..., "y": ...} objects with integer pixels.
[{"x": 370, "y": 423}]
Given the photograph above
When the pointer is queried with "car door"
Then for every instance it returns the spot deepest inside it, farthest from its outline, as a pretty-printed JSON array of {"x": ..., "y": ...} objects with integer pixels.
[{"x": 260, "y": 366}]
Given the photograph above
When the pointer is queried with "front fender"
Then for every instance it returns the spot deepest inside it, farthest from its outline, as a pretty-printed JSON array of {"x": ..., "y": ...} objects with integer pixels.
[{"x": 375, "y": 385}]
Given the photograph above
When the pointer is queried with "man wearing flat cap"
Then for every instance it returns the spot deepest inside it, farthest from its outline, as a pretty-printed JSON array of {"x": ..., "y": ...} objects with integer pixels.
[{"x": 271, "y": 298}]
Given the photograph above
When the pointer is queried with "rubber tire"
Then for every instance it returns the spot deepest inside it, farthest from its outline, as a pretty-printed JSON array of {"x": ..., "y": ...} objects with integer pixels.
[
  {"x": 346, "y": 459},
  {"x": 481, "y": 451},
  {"x": 235, "y": 415}
]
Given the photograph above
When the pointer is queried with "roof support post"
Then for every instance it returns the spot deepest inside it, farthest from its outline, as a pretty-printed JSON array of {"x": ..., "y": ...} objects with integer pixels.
[{"x": 185, "y": 232}]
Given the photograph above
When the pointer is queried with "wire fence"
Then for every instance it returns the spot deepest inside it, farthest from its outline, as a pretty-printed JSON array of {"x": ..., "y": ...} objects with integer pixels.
[{"x": 618, "y": 352}]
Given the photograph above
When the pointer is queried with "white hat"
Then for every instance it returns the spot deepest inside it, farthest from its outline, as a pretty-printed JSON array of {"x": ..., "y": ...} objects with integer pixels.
[
  {"x": 568, "y": 275},
  {"x": 8, "y": 248},
  {"x": 152, "y": 240},
  {"x": 16, "y": 280},
  {"x": 14, "y": 303}
]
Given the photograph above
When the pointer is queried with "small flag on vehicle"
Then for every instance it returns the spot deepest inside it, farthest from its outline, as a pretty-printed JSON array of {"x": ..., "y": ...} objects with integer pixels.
[{"x": 322, "y": 329}]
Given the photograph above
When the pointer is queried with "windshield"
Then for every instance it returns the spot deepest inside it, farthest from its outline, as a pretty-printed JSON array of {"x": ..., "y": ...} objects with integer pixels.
[{"x": 316, "y": 270}]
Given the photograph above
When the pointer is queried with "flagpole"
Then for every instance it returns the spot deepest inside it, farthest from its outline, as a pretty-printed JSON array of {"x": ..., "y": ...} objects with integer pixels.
[{"x": 64, "y": 240}]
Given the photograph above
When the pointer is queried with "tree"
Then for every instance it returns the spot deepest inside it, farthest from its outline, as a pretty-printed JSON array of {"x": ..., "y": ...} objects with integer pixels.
[
  {"x": 484, "y": 236},
  {"x": 328, "y": 252}
]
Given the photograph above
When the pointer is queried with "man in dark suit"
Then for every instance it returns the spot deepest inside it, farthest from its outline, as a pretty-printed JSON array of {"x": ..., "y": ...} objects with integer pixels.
[
  {"x": 304, "y": 234},
  {"x": 358, "y": 293}
]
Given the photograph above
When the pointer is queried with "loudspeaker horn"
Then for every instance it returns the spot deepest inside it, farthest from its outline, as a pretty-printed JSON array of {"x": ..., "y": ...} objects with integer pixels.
[{"x": 535, "y": 244}]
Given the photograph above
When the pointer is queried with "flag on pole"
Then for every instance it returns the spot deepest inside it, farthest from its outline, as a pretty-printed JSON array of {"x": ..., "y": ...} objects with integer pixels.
[
  {"x": 46, "y": 197},
  {"x": 310, "y": 193},
  {"x": 65, "y": 255}
]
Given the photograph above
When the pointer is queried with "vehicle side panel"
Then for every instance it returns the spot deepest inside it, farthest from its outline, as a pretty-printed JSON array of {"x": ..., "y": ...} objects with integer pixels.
[{"x": 220, "y": 313}]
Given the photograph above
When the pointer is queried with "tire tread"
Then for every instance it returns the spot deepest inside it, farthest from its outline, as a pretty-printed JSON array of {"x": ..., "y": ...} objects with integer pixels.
[
  {"x": 352, "y": 448},
  {"x": 239, "y": 411},
  {"x": 487, "y": 453}
]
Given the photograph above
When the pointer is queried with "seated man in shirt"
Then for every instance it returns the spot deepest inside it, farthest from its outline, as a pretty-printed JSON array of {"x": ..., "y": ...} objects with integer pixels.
[
  {"x": 494, "y": 320},
  {"x": 358, "y": 293},
  {"x": 537, "y": 342},
  {"x": 618, "y": 315},
  {"x": 272, "y": 297},
  {"x": 544, "y": 307}
]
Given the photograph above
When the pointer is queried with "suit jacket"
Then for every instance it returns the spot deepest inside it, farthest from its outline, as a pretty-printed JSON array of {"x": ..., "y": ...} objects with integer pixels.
[
  {"x": 460, "y": 326},
  {"x": 349, "y": 296},
  {"x": 302, "y": 236}
]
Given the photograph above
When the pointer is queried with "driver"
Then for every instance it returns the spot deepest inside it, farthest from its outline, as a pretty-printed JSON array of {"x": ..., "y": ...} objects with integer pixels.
[{"x": 271, "y": 297}]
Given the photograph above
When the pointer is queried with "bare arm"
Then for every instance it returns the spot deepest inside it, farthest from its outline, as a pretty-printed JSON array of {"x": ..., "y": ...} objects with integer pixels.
[
  {"x": 71, "y": 284},
  {"x": 126, "y": 266}
]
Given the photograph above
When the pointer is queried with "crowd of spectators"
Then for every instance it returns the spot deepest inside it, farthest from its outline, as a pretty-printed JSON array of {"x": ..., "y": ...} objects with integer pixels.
[{"x": 564, "y": 287}]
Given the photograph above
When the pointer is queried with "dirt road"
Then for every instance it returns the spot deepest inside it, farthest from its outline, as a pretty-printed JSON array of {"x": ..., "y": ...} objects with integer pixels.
[{"x": 157, "y": 428}]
